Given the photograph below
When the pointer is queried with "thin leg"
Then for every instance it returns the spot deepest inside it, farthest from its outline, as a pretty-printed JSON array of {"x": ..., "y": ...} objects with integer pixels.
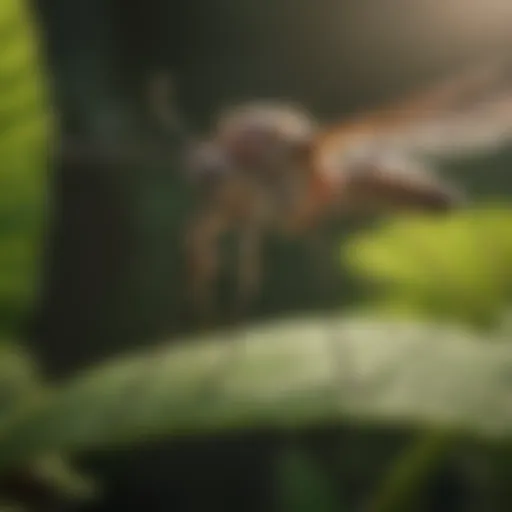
[
  {"x": 249, "y": 269},
  {"x": 248, "y": 280},
  {"x": 202, "y": 253}
]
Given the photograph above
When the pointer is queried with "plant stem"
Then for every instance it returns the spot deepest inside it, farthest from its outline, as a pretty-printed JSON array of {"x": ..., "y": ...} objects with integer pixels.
[{"x": 410, "y": 471}]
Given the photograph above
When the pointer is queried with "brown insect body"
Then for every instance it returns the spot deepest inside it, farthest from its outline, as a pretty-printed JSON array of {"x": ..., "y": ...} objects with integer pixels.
[{"x": 282, "y": 172}]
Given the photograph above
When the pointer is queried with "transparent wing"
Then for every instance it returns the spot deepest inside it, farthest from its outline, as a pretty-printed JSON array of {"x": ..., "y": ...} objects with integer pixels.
[
  {"x": 484, "y": 127},
  {"x": 472, "y": 112}
]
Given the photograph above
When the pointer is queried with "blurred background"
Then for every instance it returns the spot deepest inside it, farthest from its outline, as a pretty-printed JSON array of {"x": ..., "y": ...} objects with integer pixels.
[{"x": 114, "y": 273}]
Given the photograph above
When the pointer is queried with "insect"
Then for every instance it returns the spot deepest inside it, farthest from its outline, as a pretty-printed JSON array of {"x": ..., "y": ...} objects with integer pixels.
[{"x": 272, "y": 166}]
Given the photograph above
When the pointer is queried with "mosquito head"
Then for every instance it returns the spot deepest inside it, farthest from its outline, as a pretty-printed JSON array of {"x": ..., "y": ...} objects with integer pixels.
[{"x": 206, "y": 161}]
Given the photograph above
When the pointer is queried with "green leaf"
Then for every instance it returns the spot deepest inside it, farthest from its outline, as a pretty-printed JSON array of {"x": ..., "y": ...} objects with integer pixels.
[
  {"x": 19, "y": 381},
  {"x": 455, "y": 267},
  {"x": 283, "y": 375},
  {"x": 20, "y": 386},
  {"x": 57, "y": 475},
  {"x": 407, "y": 476},
  {"x": 25, "y": 131}
]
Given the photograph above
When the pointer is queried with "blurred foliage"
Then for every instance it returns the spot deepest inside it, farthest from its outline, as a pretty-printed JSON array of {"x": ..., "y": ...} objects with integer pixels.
[
  {"x": 46, "y": 476},
  {"x": 294, "y": 374},
  {"x": 26, "y": 134},
  {"x": 453, "y": 268}
]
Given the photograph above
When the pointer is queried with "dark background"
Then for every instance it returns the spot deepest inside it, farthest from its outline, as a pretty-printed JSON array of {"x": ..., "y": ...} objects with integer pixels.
[{"x": 114, "y": 267}]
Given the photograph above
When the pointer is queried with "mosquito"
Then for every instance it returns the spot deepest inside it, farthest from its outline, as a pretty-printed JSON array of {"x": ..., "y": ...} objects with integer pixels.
[{"x": 271, "y": 166}]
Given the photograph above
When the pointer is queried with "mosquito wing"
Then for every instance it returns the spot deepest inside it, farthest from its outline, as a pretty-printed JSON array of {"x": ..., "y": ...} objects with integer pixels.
[{"x": 381, "y": 156}]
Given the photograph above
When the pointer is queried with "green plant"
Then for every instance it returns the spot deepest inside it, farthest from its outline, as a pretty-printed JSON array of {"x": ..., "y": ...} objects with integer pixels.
[
  {"x": 24, "y": 147},
  {"x": 454, "y": 268},
  {"x": 25, "y": 140},
  {"x": 283, "y": 375},
  {"x": 446, "y": 269}
]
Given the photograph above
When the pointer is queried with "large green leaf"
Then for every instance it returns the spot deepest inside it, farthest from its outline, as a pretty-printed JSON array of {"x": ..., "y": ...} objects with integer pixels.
[
  {"x": 25, "y": 124},
  {"x": 19, "y": 380},
  {"x": 289, "y": 374}
]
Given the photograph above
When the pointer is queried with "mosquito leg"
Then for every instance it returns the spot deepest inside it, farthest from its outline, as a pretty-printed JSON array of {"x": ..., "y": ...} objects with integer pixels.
[
  {"x": 202, "y": 253},
  {"x": 248, "y": 270},
  {"x": 248, "y": 274}
]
